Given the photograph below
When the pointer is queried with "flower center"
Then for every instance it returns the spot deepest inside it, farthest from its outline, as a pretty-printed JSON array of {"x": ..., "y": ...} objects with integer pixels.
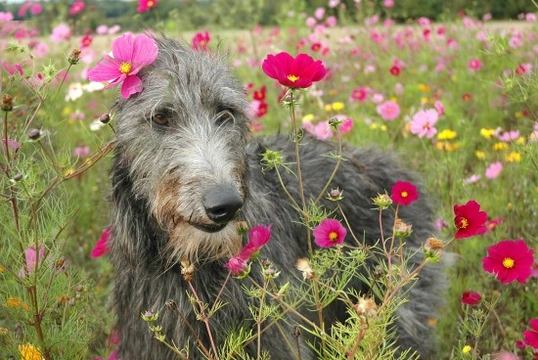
[
  {"x": 125, "y": 68},
  {"x": 150, "y": 4},
  {"x": 293, "y": 78},
  {"x": 508, "y": 263},
  {"x": 463, "y": 223},
  {"x": 404, "y": 194},
  {"x": 333, "y": 236}
]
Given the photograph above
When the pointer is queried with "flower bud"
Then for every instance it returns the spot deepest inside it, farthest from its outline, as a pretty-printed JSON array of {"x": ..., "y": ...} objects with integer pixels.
[
  {"x": 74, "y": 56},
  {"x": 382, "y": 201},
  {"x": 34, "y": 134},
  {"x": 7, "y": 103}
]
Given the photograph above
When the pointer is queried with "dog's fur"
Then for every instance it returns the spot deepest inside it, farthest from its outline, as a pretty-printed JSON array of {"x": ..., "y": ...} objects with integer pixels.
[{"x": 163, "y": 176}]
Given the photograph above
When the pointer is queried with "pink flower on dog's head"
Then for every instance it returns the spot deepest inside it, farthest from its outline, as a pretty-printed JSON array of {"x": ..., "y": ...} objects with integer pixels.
[
  {"x": 329, "y": 232},
  {"x": 130, "y": 55}
]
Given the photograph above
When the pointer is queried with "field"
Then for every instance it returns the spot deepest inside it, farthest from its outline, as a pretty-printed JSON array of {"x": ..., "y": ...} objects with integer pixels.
[{"x": 456, "y": 102}]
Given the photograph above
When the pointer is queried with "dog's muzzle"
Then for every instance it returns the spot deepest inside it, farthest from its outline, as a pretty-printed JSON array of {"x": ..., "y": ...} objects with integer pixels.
[{"x": 221, "y": 205}]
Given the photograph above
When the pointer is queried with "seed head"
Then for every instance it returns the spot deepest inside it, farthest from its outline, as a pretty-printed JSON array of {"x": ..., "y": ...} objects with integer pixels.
[
  {"x": 382, "y": 201},
  {"x": 74, "y": 56},
  {"x": 7, "y": 103}
]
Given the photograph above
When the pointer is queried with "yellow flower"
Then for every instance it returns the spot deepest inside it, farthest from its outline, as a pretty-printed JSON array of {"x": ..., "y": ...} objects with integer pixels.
[
  {"x": 374, "y": 126},
  {"x": 328, "y": 107},
  {"x": 514, "y": 156},
  {"x": 424, "y": 100},
  {"x": 30, "y": 352},
  {"x": 338, "y": 106},
  {"x": 500, "y": 146},
  {"x": 487, "y": 132},
  {"x": 308, "y": 117},
  {"x": 466, "y": 349},
  {"x": 66, "y": 111},
  {"x": 447, "y": 134},
  {"x": 16, "y": 303},
  {"x": 333, "y": 92},
  {"x": 447, "y": 146},
  {"x": 520, "y": 140},
  {"x": 383, "y": 127},
  {"x": 480, "y": 154},
  {"x": 518, "y": 114},
  {"x": 423, "y": 87}
]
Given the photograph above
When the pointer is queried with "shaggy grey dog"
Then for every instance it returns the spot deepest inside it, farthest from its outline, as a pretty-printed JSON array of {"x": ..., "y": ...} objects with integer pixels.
[{"x": 186, "y": 170}]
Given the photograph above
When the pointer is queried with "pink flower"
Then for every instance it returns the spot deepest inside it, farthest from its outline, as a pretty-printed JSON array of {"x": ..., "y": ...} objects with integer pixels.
[
  {"x": 36, "y": 9},
  {"x": 146, "y": 5},
  {"x": 403, "y": 193},
  {"x": 472, "y": 179},
  {"x": 331, "y": 21},
  {"x": 388, "y": 3},
  {"x": 439, "y": 107},
  {"x": 102, "y": 29},
  {"x": 359, "y": 94},
  {"x": 12, "y": 69},
  {"x": 321, "y": 130},
  {"x": 77, "y": 8},
  {"x": 470, "y": 298},
  {"x": 258, "y": 237},
  {"x": 101, "y": 247},
  {"x": 389, "y": 110},
  {"x": 531, "y": 336},
  {"x": 60, "y": 33},
  {"x": 423, "y": 123},
  {"x": 509, "y": 260},
  {"x": 237, "y": 265},
  {"x": 294, "y": 72},
  {"x": 469, "y": 220},
  {"x": 319, "y": 13},
  {"x": 12, "y": 144},
  {"x": 5, "y": 16},
  {"x": 200, "y": 41},
  {"x": 86, "y": 41},
  {"x": 347, "y": 124},
  {"x": 494, "y": 170},
  {"x": 508, "y": 136},
  {"x": 474, "y": 65},
  {"x": 81, "y": 151},
  {"x": 310, "y": 22},
  {"x": 33, "y": 259},
  {"x": 329, "y": 232},
  {"x": 130, "y": 55}
]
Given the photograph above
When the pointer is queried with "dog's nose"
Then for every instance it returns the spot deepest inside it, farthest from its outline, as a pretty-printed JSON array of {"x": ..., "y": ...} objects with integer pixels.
[{"x": 221, "y": 203}]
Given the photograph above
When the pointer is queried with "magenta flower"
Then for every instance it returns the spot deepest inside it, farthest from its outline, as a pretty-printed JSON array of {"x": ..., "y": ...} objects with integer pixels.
[
  {"x": 423, "y": 123},
  {"x": 200, "y": 41},
  {"x": 237, "y": 265},
  {"x": 60, "y": 33},
  {"x": 5, "y": 16},
  {"x": 296, "y": 73},
  {"x": 509, "y": 260},
  {"x": 531, "y": 336},
  {"x": 474, "y": 65},
  {"x": 258, "y": 237},
  {"x": 77, "y": 8},
  {"x": 101, "y": 247},
  {"x": 329, "y": 232},
  {"x": 494, "y": 170},
  {"x": 403, "y": 193},
  {"x": 130, "y": 55},
  {"x": 146, "y": 5},
  {"x": 471, "y": 298},
  {"x": 389, "y": 110},
  {"x": 469, "y": 220}
]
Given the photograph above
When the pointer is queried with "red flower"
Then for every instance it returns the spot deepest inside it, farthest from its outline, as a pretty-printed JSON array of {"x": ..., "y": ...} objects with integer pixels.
[
  {"x": 315, "y": 47},
  {"x": 471, "y": 298},
  {"x": 260, "y": 94},
  {"x": 296, "y": 73},
  {"x": 466, "y": 97},
  {"x": 86, "y": 41},
  {"x": 531, "y": 336},
  {"x": 101, "y": 247},
  {"x": 200, "y": 41},
  {"x": 492, "y": 224},
  {"x": 262, "y": 110},
  {"x": 329, "y": 232},
  {"x": 404, "y": 193},
  {"x": 509, "y": 260},
  {"x": 146, "y": 5},
  {"x": 469, "y": 220},
  {"x": 395, "y": 70}
]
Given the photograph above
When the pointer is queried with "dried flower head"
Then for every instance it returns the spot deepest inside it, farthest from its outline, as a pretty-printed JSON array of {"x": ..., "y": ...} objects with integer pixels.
[
  {"x": 74, "y": 56},
  {"x": 401, "y": 229},
  {"x": 7, "y": 103},
  {"x": 367, "y": 307},
  {"x": 187, "y": 269},
  {"x": 303, "y": 265},
  {"x": 382, "y": 201},
  {"x": 434, "y": 244}
]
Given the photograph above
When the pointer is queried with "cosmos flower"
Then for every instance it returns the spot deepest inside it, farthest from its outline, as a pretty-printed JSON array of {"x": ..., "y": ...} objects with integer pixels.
[
  {"x": 101, "y": 247},
  {"x": 471, "y": 298},
  {"x": 146, "y": 5},
  {"x": 509, "y": 260},
  {"x": 404, "y": 193},
  {"x": 329, "y": 232},
  {"x": 77, "y": 8},
  {"x": 130, "y": 55},
  {"x": 294, "y": 72},
  {"x": 423, "y": 123},
  {"x": 531, "y": 336},
  {"x": 200, "y": 41},
  {"x": 389, "y": 110},
  {"x": 469, "y": 220}
]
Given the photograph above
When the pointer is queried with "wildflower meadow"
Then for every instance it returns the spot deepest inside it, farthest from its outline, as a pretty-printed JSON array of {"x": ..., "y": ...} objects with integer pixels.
[{"x": 453, "y": 98}]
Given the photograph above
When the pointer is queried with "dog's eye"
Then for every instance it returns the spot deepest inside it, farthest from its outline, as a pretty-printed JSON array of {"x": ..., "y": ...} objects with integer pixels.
[
  {"x": 160, "y": 119},
  {"x": 224, "y": 116}
]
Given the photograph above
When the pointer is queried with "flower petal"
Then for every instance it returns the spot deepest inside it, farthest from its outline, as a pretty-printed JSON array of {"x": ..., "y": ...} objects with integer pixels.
[
  {"x": 107, "y": 69},
  {"x": 131, "y": 85}
]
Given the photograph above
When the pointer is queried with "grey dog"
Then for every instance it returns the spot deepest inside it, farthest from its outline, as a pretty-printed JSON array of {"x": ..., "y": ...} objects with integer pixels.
[{"x": 186, "y": 169}]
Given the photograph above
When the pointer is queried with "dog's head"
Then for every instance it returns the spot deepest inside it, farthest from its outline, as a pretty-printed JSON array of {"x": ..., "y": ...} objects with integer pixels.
[{"x": 183, "y": 139}]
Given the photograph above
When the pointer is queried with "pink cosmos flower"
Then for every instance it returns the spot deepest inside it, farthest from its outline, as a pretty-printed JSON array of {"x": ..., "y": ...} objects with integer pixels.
[
  {"x": 60, "y": 33},
  {"x": 319, "y": 13},
  {"x": 331, "y": 21},
  {"x": 81, "y": 151},
  {"x": 200, "y": 41},
  {"x": 472, "y": 179},
  {"x": 146, "y": 5},
  {"x": 531, "y": 336},
  {"x": 388, "y": 3},
  {"x": 389, "y": 110},
  {"x": 423, "y": 123},
  {"x": 77, "y": 8},
  {"x": 102, "y": 29},
  {"x": 5, "y": 16},
  {"x": 474, "y": 65},
  {"x": 101, "y": 247},
  {"x": 494, "y": 170},
  {"x": 130, "y": 55},
  {"x": 12, "y": 69},
  {"x": 33, "y": 259},
  {"x": 36, "y": 9},
  {"x": 509, "y": 260},
  {"x": 12, "y": 144},
  {"x": 310, "y": 22},
  {"x": 359, "y": 94},
  {"x": 403, "y": 193},
  {"x": 439, "y": 107},
  {"x": 321, "y": 130},
  {"x": 347, "y": 124},
  {"x": 469, "y": 220},
  {"x": 258, "y": 237},
  {"x": 237, "y": 265},
  {"x": 333, "y": 3},
  {"x": 294, "y": 72},
  {"x": 470, "y": 297},
  {"x": 329, "y": 232},
  {"x": 508, "y": 136}
]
